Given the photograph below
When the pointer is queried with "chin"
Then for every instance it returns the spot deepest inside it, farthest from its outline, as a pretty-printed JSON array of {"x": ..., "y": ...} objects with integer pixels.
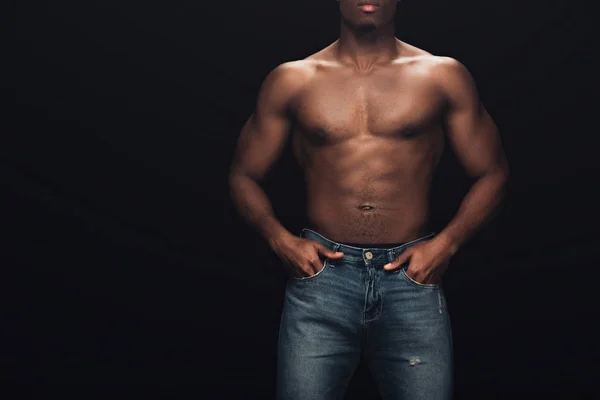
[{"x": 366, "y": 26}]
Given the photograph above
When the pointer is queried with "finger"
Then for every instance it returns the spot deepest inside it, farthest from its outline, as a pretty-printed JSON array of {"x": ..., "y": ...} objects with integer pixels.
[
  {"x": 298, "y": 272},
  {"x": 436, "y": 278},
  {"x": 306, "y": 269},
  {"x": 326, "y": 252},
  {"x": 316, "y": 266},
  {"x": 398, "y": 261},
  {"x": 415, "y": 275}
]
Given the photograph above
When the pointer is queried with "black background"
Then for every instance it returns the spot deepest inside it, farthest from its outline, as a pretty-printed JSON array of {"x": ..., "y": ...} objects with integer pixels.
[{"x": 127, "y": 263}]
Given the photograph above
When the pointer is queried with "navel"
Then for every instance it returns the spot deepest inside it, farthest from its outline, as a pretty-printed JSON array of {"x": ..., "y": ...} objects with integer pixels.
[{"x": 366, "y": 208}]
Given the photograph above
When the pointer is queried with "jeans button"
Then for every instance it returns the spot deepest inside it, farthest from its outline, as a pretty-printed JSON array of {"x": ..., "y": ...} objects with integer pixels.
[{"x": 369, "y": 255}]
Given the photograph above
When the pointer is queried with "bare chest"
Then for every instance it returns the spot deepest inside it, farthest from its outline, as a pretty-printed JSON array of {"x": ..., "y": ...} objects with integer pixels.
[{"x": 336, "y": 108}]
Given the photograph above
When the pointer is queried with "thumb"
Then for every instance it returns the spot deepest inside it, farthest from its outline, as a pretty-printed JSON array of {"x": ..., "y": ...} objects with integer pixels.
[
  {"x": 324, "y": 251},
  {"x": 398, "y": 261}
]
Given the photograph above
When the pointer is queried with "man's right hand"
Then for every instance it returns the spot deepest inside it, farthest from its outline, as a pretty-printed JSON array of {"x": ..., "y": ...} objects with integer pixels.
[{"x": 302, "y": 257}]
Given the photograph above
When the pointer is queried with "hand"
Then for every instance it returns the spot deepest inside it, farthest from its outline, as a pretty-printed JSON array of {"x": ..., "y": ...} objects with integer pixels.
[
  {"x": 427, "y": 261},
  {"x": 302, "y": 257}
]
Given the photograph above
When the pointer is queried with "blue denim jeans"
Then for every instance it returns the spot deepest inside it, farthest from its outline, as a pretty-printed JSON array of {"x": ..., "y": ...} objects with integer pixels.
[{"x": 354, "y": 308}]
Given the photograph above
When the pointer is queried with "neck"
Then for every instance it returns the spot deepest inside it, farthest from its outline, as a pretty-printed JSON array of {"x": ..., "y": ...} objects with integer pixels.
[{"x": 367, "y": 48}]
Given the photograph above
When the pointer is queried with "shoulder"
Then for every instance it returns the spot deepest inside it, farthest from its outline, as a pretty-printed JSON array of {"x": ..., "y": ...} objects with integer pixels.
[
  {"x": 286, "y": 80},
  {"x": 291, "y": 74},
  {"x": 448, "y": 71},
  {"x": 439, "y": 69},
  {"x": 448, "y": 75},
  {"x": 445, "y": 75}
]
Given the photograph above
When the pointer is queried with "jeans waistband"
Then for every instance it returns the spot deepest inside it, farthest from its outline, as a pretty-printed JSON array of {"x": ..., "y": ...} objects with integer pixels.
[{"x": 373, "y": 254}]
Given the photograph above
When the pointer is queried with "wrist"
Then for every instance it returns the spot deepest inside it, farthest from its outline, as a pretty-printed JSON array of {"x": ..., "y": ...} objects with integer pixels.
[
  {"x": 448, "y": 242},
  {"x": 276, "y": 241},
  {"x": 276, "y": 236}
]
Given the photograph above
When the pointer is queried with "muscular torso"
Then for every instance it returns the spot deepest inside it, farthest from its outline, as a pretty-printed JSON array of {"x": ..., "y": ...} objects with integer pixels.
[{"x": 368, "y": 143}]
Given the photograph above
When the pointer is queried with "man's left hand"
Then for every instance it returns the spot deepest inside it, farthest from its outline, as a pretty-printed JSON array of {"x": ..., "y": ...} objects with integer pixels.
[{"x": 427, "y": 261}]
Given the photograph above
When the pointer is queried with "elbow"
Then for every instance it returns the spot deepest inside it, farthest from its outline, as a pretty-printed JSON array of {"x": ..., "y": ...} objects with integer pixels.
[
  {"x": 496, "y": 179},
  {"x": 504, "y": 173},
  {"x": 504, "y": 181},
  {"x": 500, "y": 172},
  {"x": 233, "y": 181},
  {"x": 232, "y": 177},
  {"x": 239, "y": 179},
  {"x": 236, "y": 172},
  {"x": 501, "y": 177}
]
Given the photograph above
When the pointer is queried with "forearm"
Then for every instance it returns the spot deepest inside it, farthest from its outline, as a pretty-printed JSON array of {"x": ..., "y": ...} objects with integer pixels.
[
  {"x": 478, "y": 206},
  {"x": 255, "y": 207}
]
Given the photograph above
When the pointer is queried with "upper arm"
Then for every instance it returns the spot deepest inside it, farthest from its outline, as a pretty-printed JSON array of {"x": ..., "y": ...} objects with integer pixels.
[
  {"x": 265, "y": 133},
  {"x": 472, "y": 132}
]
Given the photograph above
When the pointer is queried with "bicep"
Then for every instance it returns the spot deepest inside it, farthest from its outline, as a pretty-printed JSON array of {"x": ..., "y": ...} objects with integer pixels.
[
  {"x": 260, "y": 143},
  {"x": 265, "y": 133},
  {"x": 472, "y": 132}
]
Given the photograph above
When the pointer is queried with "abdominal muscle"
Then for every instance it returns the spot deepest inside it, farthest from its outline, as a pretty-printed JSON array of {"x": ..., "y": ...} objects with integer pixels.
[
  {"x": 346, "y": 217},
  {"x": 375, "y": 193}
]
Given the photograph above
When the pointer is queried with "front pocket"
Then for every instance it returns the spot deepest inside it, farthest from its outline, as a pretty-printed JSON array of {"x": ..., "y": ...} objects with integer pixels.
[
  {"x": 418, "y": 284},
  {"x": 313, "y": 277}
]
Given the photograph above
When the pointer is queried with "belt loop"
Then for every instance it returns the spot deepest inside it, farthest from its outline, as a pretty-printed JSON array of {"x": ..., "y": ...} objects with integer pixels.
[
  {"x": 332, "y": 262},
  {"x": 390, "y": 254}
]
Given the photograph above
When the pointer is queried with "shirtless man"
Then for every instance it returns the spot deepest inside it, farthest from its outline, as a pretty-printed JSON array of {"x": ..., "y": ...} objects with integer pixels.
[{"x": 367, "y": 116}]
